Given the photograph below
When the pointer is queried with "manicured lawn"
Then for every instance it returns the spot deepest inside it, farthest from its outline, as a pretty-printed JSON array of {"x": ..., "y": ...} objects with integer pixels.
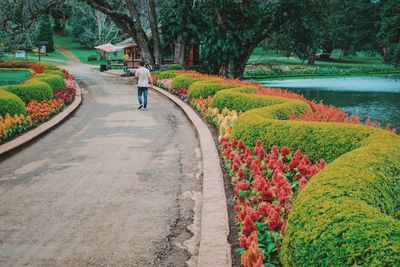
[
  {"x": 80, "y": 52},
  {"x": 8, "y": 77}
]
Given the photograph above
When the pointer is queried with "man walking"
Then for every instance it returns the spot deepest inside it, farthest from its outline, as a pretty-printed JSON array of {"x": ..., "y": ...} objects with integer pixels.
[{"x": 144, "y": 78}]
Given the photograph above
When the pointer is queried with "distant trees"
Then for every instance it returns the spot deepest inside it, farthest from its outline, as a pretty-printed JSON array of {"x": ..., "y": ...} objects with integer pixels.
[
  {"x": 389, "y": 31},
  {"x": 45, "y": 32}
]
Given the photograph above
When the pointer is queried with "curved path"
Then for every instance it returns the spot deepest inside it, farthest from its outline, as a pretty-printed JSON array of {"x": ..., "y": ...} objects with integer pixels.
[{"x": 111, "y": 186}]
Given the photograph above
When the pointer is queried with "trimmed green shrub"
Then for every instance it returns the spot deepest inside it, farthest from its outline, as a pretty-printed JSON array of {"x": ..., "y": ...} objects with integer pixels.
[
  {"x": 55, "y": 81},
  {"x": 49, "y": 65},
  {"x": 207, "y": 87},
  {"x": 92, "y": 58},
  {"x": 10, "y": 103},
  {"x": 31, "y": 90},
  {"x": 55, "y": 72},
  {"x": 166, "y": 75},
  {"x": 348, "y": 213},
  {"x": 183, "y": 80},
  {"x": 175, "y": 67}
]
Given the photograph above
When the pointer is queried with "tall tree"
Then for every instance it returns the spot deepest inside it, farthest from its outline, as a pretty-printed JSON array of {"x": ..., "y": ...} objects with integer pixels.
[
  {"x": 389, "y": 32},
  {"x": 231, "y": 29},
  {"x": 45, "y": 32},
  {"x": 126, "y": 15},
  {"x": 179, "y": 27}
]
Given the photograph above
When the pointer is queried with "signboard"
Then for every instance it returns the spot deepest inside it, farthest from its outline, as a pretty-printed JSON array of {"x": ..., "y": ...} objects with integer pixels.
[
  {"x": 20, "y": 54},
  {"x": 42, "y": 49}
]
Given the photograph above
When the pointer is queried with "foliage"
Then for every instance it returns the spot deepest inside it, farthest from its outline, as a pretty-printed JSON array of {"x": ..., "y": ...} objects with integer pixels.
[
  {"x": 42, "y": 111},
  {"x": 36, "y": 67},
  {"x": 56, "y": 72},
  {"x": 183, "y": 80},
  {"x": 175, "y": 67},
  {"x": 67, "y": 95},
  {"x": 207, "y": 87},
  {"x": 13, "y": 76},
  {"x": 55, "y": 81},
  {"x": 265, "y": 187},
  {"x": 10, "y": 126},
  {"x": 31, "y": 90},
  {"x": 11, "y": 104},
  {"x": 166, "y": 75},
  {"x": 45, "y": 33}
]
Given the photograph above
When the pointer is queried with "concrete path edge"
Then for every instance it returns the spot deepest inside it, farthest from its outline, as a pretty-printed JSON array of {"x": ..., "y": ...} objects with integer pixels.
[
  {"x": 44, "y": 127},
  {"x": 214, "y": 249}
]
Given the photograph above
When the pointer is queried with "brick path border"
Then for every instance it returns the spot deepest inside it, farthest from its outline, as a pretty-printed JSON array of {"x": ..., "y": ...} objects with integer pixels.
[
  {"x": 42, "y": 128},
  {"x": 215, "y": 250}
]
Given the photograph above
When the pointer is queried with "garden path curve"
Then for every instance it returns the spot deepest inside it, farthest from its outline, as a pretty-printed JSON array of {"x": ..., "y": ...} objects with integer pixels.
[{"x": 111, "y": 186}]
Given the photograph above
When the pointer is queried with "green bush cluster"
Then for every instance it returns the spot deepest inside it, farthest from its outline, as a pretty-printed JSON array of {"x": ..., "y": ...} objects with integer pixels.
[
  {"x": 349, "y": 213},
  {"x": 166, "y": 75},
  {"x": 10, "y": 103},
  {"x": 31, "y": 90},
  {"x": 175, "y": 67},
  {"x": 55, "y": 72},
  {"x": 55, "y": 81},
  {"x": 183, "y": 80},
  {"x": 207, "y": 87},
  {"x": 49, "y": 65}
]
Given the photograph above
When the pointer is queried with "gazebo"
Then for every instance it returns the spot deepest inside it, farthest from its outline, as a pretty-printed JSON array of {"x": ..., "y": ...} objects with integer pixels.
[
  {"x": 131, "y": 50},
  {"x": 104, "y": 49}
]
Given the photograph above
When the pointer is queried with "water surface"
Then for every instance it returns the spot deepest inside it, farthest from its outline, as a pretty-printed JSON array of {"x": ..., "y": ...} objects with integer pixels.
[{"x": 377, "y": 97}]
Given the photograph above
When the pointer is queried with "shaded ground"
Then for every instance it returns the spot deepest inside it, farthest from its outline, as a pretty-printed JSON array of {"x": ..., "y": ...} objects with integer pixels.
[{"x": 111, "y": 186}]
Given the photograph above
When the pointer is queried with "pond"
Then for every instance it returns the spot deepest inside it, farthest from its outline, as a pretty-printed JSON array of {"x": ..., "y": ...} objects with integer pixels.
[
  {"x": 8, "y": 77},
  {"x": 377, "y": 97}
]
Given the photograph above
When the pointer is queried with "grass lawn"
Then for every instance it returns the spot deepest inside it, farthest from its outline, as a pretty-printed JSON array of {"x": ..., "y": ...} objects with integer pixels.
[
  {"x": 80, "y": 52},
  {"x": 274, "y": 64},
  {"x": 13, "y": 76}
]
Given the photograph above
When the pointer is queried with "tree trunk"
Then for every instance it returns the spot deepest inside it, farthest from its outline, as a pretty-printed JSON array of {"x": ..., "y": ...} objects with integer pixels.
[
  {"x": 130, "y": 25},
  {"x": 237, "y": 68},
  {"x": 151, "y": 5},
  {"x": 385, "y": 51},
  {"x": 180, "y": 51},
  {"x": 311, "y": 57}
]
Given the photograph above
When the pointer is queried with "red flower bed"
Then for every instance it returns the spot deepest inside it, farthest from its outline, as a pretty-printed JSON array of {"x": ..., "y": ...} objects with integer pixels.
[
  {"x": 182, "y": 92},
  {"x": 36, "y": 67},
  {"x": 67, "y": 94},
  {"x": 320, "y": 111},
  {"x": 265, "y": 186}
]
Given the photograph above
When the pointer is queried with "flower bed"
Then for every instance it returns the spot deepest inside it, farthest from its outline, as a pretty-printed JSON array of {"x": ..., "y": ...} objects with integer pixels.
[
  {"x": 345, "y": 203},
  {"x": 44, "y": 95}
]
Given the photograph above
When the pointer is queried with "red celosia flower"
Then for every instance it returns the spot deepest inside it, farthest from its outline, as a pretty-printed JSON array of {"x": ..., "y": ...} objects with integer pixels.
[
  {"x": 248, "y": 226},
  {"x": 285, "y": 151},
  {"x": 275, "y": 221}
]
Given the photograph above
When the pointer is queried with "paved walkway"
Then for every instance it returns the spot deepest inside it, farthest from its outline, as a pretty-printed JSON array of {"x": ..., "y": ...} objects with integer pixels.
[{"x": 111, "y": 186}]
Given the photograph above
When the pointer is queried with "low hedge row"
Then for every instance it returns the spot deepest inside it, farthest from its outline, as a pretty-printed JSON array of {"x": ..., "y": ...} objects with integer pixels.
[
  {"x": 166, "y": 75},
  {"x": 10, "y": 103},
  {"x": 207, "y": 87},
  {"x": 55, "y": 81},
  {"x": 55, "y": 72},
  {"x": 31, "y": 90},
  {"x": 348, "y": 213},
  {"x": 183, "y": 80}
]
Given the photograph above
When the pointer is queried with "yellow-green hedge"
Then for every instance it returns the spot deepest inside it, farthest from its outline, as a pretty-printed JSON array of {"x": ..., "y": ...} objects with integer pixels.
[
  {"x": 55, "y": 81},
  {"x": 31, "y": 90},
  {"x": 10, "y": 103},
  {"x": 207, "y": 87},
  {"x": 55, "y": 72},
  {"x": 166, "y": 75},
  {"x": 348, "y": 214},
  {"x": 183, "y": 80}
]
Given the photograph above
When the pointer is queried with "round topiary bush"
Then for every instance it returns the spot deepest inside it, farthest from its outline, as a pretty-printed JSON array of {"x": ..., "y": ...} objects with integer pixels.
[
  {"x": 10, "y": 103},
  {"x": 175, "y": 67},
  {"x": 55, "y": 81},
  {"x": 31, "y": 90}
]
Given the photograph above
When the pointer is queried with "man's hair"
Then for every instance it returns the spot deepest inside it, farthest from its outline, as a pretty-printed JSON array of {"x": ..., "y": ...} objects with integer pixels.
[{"x": 141, "y": 63}]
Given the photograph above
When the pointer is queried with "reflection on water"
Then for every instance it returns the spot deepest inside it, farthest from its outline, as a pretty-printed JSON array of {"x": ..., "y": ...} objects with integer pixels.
[{"x": 376, "y": 97}]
